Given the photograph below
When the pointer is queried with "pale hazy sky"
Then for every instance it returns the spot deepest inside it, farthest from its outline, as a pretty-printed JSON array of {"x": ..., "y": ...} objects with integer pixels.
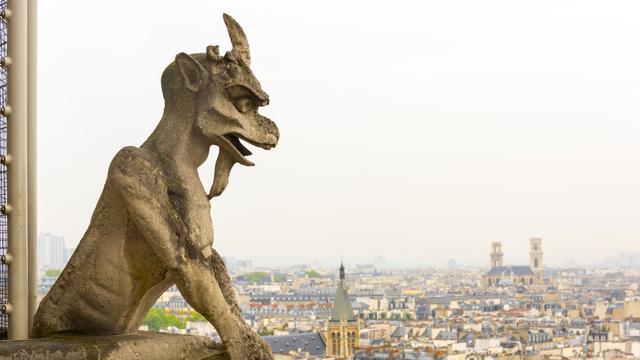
[{"x": 415, "y": 130}]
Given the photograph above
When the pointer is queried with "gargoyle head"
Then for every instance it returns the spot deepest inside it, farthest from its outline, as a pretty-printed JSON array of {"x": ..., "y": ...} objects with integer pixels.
[{"x": 224, "y": 96}]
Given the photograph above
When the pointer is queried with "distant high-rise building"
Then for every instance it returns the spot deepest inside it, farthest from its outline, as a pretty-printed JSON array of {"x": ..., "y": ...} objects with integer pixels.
[
  {"x": 634, "y": 259},
  {"x": 451, "y": 264},
  {"x": 68, "y": 252},
  {"x": 51, "y": 251},
  {"x": 244, "y": 265},
  {"x": 379, "y": 262}
]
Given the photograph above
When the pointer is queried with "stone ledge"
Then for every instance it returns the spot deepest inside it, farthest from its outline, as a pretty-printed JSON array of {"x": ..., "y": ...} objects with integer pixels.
[{"x": 147, "y": 346}]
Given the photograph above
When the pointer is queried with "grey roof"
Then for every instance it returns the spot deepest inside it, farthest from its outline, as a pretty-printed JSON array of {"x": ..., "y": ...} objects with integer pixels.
[
  {"x": 510, "y": 270},
  {"x": 560, "y": 330},
  {"x": 578, "y": 322},
  {"x": 272, "y": 298},
  {"x": 308, "y": 342},
  {"x": 510, "y": 344},
  {"x": 447, "y": 335},
  {"x": 399, "y": 332},
  {"x": 342, "y": 308},
  {"x": 468, "y": 338},
  {"x": 361, "y": 305}
]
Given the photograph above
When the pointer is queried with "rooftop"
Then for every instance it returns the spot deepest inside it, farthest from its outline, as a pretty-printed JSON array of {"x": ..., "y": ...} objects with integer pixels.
[{"x": 510, "y": 270}]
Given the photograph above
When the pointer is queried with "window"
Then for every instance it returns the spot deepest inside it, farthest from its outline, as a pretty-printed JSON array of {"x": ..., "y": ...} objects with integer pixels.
[
  {"x": 352, "y": 344},
  {"x": 334, "y": 344}
]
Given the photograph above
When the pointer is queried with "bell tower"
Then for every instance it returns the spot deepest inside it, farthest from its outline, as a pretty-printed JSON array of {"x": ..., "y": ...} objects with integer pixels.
[
  {"x": 342, "y": 334},
  {"x": 535, "y": 255},
  {"x": 496, "y": 254}
]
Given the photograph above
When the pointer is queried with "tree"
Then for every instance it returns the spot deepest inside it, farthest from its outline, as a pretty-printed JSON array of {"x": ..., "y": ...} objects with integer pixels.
[
  {"x": 195, "y": 316},
  {"x": 265, "y": 332},
  {"x": 312, "y": 274},
  {"x": 158, "y": 318},
  {"x": 261, "y": 277},
  {"x": 53, "y": 272},
  {"x": 255, "y": 277}
]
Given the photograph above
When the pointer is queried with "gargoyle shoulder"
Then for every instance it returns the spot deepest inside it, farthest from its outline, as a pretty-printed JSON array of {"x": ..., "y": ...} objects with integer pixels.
[{"x": 136, "y": 169}]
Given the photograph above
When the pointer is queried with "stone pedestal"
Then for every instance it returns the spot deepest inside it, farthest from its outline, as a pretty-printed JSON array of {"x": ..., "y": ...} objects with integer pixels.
[{"x": 142, "y": 346}]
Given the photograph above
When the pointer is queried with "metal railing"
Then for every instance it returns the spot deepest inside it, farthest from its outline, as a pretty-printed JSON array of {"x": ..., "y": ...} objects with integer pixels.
[
  {"x": 18, "y": 267},
  {"x": 4, "y": 271}
]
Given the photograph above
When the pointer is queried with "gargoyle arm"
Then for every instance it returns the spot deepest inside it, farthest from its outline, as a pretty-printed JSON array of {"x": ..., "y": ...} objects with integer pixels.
[{"x": 142, "y": 188}]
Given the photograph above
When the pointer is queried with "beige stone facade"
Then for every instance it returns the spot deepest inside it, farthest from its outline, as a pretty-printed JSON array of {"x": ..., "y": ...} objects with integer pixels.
[{"x": 342, "y": 339}]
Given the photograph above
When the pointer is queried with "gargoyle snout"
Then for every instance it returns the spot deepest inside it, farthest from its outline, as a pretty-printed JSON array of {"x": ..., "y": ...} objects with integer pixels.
[{"x": 271, "y": 129}]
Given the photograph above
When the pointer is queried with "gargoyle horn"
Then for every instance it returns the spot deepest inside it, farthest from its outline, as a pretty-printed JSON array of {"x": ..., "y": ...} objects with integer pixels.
[{"x": 238, "y": 39}]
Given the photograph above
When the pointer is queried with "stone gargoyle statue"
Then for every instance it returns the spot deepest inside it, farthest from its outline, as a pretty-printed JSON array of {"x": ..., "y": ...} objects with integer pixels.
[{"x": 152, "y": 225}]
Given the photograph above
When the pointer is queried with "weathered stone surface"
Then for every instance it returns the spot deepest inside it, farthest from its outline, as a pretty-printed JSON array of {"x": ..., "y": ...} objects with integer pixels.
[
  {"x": 152, "y": 225},
  {"x": 116, "y": 347}
]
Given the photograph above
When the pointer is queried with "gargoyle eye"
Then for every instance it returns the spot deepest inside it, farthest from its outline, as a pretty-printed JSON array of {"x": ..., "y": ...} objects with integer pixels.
[{"x": 244, "y": 104}]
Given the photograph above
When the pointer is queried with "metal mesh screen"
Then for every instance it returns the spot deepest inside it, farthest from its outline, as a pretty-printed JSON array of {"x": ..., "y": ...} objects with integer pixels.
[{"x": 3, "y": 174}]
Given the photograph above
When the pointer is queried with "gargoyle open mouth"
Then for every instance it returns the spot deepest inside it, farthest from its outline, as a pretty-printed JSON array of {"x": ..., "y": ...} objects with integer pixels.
[{"x": 239, "y": 150}]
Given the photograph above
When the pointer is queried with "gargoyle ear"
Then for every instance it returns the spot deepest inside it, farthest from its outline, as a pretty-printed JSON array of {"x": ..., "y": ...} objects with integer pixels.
[{"x": 193, "y": 73}]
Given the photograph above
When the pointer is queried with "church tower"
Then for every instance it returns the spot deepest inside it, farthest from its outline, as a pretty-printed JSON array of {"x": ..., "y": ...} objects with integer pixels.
[
  {"x": 343, "y": 331},
  {"x": 496, "y": 254},
  {"x": 535, "y": 255}
]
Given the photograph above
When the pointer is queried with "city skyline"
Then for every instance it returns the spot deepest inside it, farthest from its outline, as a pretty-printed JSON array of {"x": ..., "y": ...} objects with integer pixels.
[
  {"x": 618, "y": 258},
  {"x": 302, "y": 313}
]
